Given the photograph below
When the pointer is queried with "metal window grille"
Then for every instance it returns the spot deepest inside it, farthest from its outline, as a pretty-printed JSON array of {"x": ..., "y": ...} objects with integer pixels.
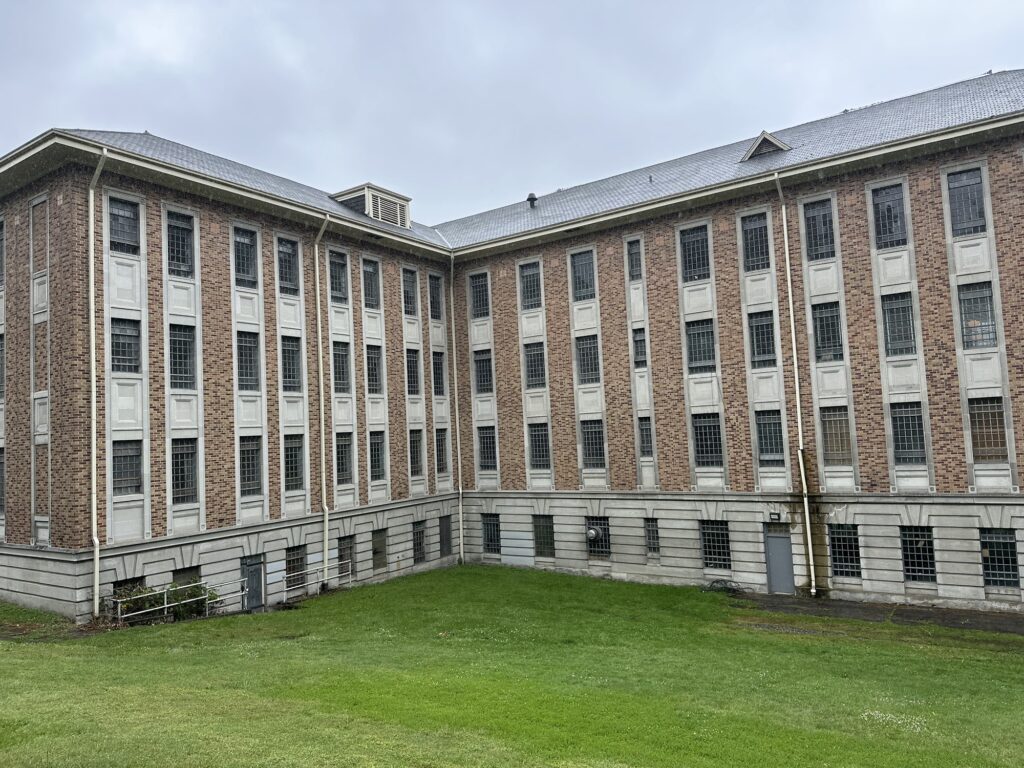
[
  {"x": 844, "y": 547},
  {"x": 487, "y": 451},
  {"x": 419, "y": 542},
  {"x": 890, "y": 221},
  {"x": 291, "y": 363},
  {"x": 999, "y": 564},
  {"x": 480, "y": 295},
  {"x": 584, "y": 287},
  {"x": 379, "y": 549},
  {"x": 588, "y": 359},
  {"x": 410, "y": 293},
  {"x": 819, "y": 230},
  {"x": 540, "y": 447},
  {"x": 700, "y": 346},
  {"x": 592, "y": 435},
  {"x": 416, "y": 452},
  {"x": 412, "y": 371},
  {"x": 529, "y": 285},
  {"x": 182, "y": 343},
  {"x": 707, "y": 440},
  {"x": 536, "y": 370},
  {"x": 643, "y": 426},
  {"x": 342, "y": 367},
  {"x": 374, "y": 374},
  {"x": 437, "y": 365},
  {"x": 180, "y": 245},
  {"x": 288, "y": 266},
  {"x": 294, "y": 463},
  {"x": 3, "y": 366},
  {"x": 836, "y": 447},
  {"x": 294, "y": 566},
  {"x": 770, "y": 446},
  {"x": 3, "y": 483},
  {"x": 347, "y": 556},
  {"x": 977, "y": 316},
  {"x": 714, "y": 544},
  {"x": 988, "y": 429},
  {"x": 126, "y": 467},
  {"x": 184, "y": 484},
  {"x": 124, "y": 226},
  {"x": 639, "y": 348},
  {"x": 652, "y": 536},
  {"x": 828, "y": 332},
  {"x": 756, "y": 255},
  {"x": 898, "y": 322},
  {"x": 907, "y": 433},
  {"x": 599, "y": 538},
  {"x": 634, "y": 258},
  {"x": 491, "y": 525},
  {"x": 246, "y": 263},
  {"x": 444, "y": 531},
  {"x": 343, "y": 458},
  {"x": 436, "y": 297},
  {"x": 338, "y": 268},
  {"x": 371, "y": 284},
  {"x": 248, "y": 361},
  {"x": 484, "y": 371},
  {"x": 966, "y": 202},
  {"x": 695, "y": 253},
  {"x": 918, "y": 553},
  {"x": 543, "y": 536},
  {"x": 250, "y": 465},
  {"x": 762, "y": 339},
  {"x": 125, "y": 351},
  {"x": 441, "y": 450},
  {"x": 377, "y": 468}
]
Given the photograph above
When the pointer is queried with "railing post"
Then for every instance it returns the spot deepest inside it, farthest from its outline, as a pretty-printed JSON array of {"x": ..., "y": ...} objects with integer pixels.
[{"x": 166, "y": 590}]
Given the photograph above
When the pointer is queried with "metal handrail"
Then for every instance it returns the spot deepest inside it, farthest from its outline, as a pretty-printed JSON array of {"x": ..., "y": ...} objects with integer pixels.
[
  {"x": 121, "y": 602},
  {"x": 306, "y": 582}
]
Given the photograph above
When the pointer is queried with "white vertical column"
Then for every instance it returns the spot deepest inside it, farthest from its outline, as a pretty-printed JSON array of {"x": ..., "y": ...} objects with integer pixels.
[
  {"x": 343, "y": 404},
  {"x": 481, "y": 339},
  {"x": 637, "y": 326},
  {"x": 536, "y": 398},
  {"x": 415, "y": 404},
  {"x": 39, "y": 260},
  {"x": 376, "y": 402},
  {"x": 441, "y": 393}
]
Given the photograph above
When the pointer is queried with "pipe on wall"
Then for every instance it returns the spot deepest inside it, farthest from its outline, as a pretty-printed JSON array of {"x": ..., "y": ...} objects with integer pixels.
[
  {"x": 93, "y": 512},
  {"x": 320, "y": 393}
]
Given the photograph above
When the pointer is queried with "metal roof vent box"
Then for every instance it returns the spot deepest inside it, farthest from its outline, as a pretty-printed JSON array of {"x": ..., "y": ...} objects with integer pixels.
[{"x": 377, "y": 203}]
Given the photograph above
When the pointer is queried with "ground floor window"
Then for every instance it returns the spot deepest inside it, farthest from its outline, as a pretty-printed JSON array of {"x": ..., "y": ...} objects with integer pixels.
[
  {"x": 379, "y": 542},
  {"x": 444, "y": 526},
  {"x": 999, "y": 557},
  {"x": 918, "y": 553},
  {"x": 347, "y": 556},
  {"x": 714, "y": 544},
  {"x": 492, "y": 534},
  {"x": 543, "y": 536},
  {"x": 652, "y": 536},
  {"x": 294, "y": 565},
  {"x": 599, "y": 538},
  {"x": 419, "y": 542},
  {"x": 844, "y": 546}
]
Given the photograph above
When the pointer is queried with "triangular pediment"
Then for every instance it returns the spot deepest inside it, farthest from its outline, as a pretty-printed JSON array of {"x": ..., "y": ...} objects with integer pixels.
[{"x": 764, "y": 144}]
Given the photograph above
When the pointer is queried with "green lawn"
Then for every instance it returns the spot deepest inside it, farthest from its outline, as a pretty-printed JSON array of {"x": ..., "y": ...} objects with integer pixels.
[{"x": 482, "y": 666}]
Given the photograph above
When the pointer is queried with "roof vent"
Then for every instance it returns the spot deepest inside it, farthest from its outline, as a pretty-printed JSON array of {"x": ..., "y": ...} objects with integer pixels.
[
  {"x": 763, "y": 145},
  {"x": 532, "y": 200},
  {"x": 377, "y": 203}
]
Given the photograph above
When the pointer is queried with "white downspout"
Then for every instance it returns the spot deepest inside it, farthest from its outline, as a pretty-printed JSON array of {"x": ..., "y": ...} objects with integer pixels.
[
  {"x": 799, "y": 400},
  {"x": 455, "y": 399},
  {"x": 320, "y": 392},
  {"x": 93, "y": 514}
]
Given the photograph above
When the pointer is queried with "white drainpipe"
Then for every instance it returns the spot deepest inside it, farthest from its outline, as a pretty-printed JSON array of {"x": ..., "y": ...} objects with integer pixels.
[
  {"x": 320, "y": 391},
  {"x": 93, "y": 514},
  {"x": 454, "y": 396},
  {"x": 799, "y": 400}
]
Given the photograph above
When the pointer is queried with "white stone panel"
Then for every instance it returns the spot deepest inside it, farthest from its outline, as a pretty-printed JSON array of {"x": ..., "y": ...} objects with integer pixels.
[
  {"x": 637, "y": 305},
  {"x": 250, "y": 512},
  {"x": 912, "y": 479},
  {"x": 41, "y": 414},
  {"x": 128, "y": 523},
  {"x": 647, "y": 473},
  {"x": 591, "y": 401},
  {"x": 181, "y": 298},
  {"x": 760, "y": 288},
  {"x": 373, "y": 327},
  {"x": 247, "y": 307},
  {"x": 831, "y": 381},
  {"x": 641, "y": 385},
  {"x": 595, "y": 479},
  {"x": 540, "y": 480},
  {"x": 344, "y": 410},
  {"x": 992, "y": 477},
  {"x": 416, "y": 413},
  {"x": 536, "y": 403},
  {"x": 293, "y": 411},
  {"x": 290, "y": 313},
  {"x": 185, "y": 520},
  {"x": 904, "y": 376},
  {"x": 126, "y": 409},
  {"x": 3, "y": 306},
  {"x": 698, "y": 299},
  {"x": 376, "y": 410},
  {"x": 125, "y": 283},
  {"x": 894, "y": 268},
  {"x": 839, "y": 478},
  {"x": 184, "y": 412},
  {"x": 483, "y": 407},
  {"x": 772, "y": 478},
  {"x": 766, "y": 387},
  {"x": 250, "y": 410},
  {"x": 40, "y": 293},
  {"x": 823, "y": 279},
  {"x": 704, "y": 391},
  {"x": 532, "y": 325},
  {"x": 295, "y": 506},
  {"x": 972, "y": 256},
  {"x": 983, "y": 370},
  {"x": 437, "y": 336},
  {"x": 440, "y": 410},
  {"x": 411, "y": 330},
  {"x": 3, "y": 419},
  {"x": 584, "y": 316},
  {"x": 710, "y": 478},
  {"x": 341, "y": 321}
]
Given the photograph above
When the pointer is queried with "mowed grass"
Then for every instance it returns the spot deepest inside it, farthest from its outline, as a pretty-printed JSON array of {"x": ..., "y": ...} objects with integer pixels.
[{"x": 479, "y": 666}]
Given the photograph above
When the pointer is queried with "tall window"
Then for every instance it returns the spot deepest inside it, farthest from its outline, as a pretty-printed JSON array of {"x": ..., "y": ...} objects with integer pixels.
[
  {"x": 844, "y": 547},
  {"x": 342, "y": 367},
  {"x": 246, "y": 258},
  {"x": 124, "y": 226},
  {"x": 412, "y": 371},
  {"x": 819, "y": 230},
  {"x": 436, "y": 296},
  {"x": 898, "y": 322},
  {"x": 416, "y": 452},
  {"x": 250, "y": 465},
  {"x": 378, "y": 471},
  {"x": 182, "y": 343},
  {"x": 181, "y": 257},
  {"x": 836, "y": 446},
  {"x": 295, "y": 567},
  {"x": 294, "y": 463},
  {"x": 543, "y": 536},
  {"x": 491, "y": 525},
  {"x": 483, "y": 370},
  {"x": 480, "y": 295},
  {"x": 374, "y": 374},
  {"x": 828, "y": 332},
  {"x": 977, "y": 316},
  {"x": 338, "y": 265},
  {"x": 529, "y": 286},
  {"x": 441, "y": 450},
  {"x": 419, "y": 541},
  {"x": 999, "y": 557},
  {"x": 714, "y": 544},
  {"x": 762, "y": 339},
  {"x": 379, "y": 549},
  {"x": 646, "y": 438},
  {"x": 592, "y": 435},
  {"x": 599, "y": 538},
  {"x": 988, "y": 429},
  {"x": 410, "y": 293},
  {"x": 125, "y": 350},
  {"x": 588, "y": 360},
  {"x": 770, "y": 446},
  {"x": 487, "y": 450},
  {"x": 584, "y": 286},
  {"x": 966, "y": 202},
  {"x": 248, "y": 350},
  {"x": 126, "y": 467},
  {"x": 700, "y": 346},
  {"x": 291, "y": 363},
  {"x": 438, "y": 373},
  {"x": 371, "y": 284},
  {"x": 918, "y": 553},
  {"x": 695, "y": 254},
  {"x": 540, "y": 448},
  {"x": 756, "y": 255},
  {"x": 347, "y": 556},
  {"x": 343, "y": 458},
  {"x": 184, "y": 485},
  {"x": 907, "y": 433},
  {"x": 536, "y": 370},
  {"x": 652, "y": 536},
  {"x": 288, "y": 266},
  {"x": 890, "y": 222},
  {"x": 707, "y": 440},
  {"x": 444, "y": 535},
  {"x": 634, "y": 261},
  {"x": 639, "y": 348}
]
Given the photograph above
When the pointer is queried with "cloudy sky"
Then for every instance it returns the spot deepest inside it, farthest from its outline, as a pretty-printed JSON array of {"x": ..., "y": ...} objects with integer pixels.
[{"x": 465, "y": 106}]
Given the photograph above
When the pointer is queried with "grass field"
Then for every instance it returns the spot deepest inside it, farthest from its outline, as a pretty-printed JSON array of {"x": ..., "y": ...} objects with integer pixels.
[{"x": 482, "y": 666}]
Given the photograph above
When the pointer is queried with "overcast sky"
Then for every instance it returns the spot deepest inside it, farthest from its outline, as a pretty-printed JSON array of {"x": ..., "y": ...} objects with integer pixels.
[{"x": 466, "y": 106}]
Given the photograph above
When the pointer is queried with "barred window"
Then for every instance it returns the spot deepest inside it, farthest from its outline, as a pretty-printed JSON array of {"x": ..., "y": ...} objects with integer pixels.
[
  {"x": 536, "y": 370},
  {"x": 416, "y": 452},
  {"x": 599, "y": 538},
  {"x": 294, "y": 567},
  {"x": 588, "y": 359},
  {"x": 639, "y": 348},
  {"x": 695, "y": 253},
  {"x": 966, "y": 202},
  {"x": 342, "y": 367},
  {"x": 378, "y": 470},
  {"x": 529, "y": 286},
  {"x": 419, "y": 542},
  {"x": 584, "y": 286},
  {"x": 977, "y": 316},
  {"x": 646, "y": 437},
  {"x": 124, "y": 226},
  {"x": 291, "y": 363},
  {"x": 487, "y": 450},
  {"x": 444, "y": 534},
  {"x": 771, "y": 450},
  {"x": 182, "y": 343},
  {"x": 371, "y": 284},
  {"x": 347, "y": 556},
  {"x": 756, "y": 255},
  {"x": 288, "y": 266},
  {"x": 540, "y": 448},
  {"x": 988, "y": 429},
  {"x": 707, "y": 440},
  {"x": 248, "y": 361},
  {"x": 379, "y": 549},
  {"x": 828, "y": 332},
  {"x": 180, "y": 245},
  {"x": 438, "y": 373},
  {"x": 246, "y": 259},
  {"x": 374, "y": 374},
  {"x": 343, "y": 458},
  {"x": 3, "y": 366},
  {"x": 184, "y": 485},
  {"x": 338, "y": 266},
  {"x": 491, "y": 525},
  {"x": 762, "y": 339},
  {"x": 250, "y": 465},
  {"x": 714, "y": 544},
  {"x": 592, "y": 434},
  {"x": 484, "y": 371},
  {"x": 125, "y": 351},
  {"x": 410, "y": 293},
  {"x": 898, "y": 322},
  {"x": 890, "y": 222},
  {"x": 441, "y": 450},
  {"x": 819, "y": 230},
  {"x": 436, "y": 296},
  {"x": 294, "y": 463},
  {"x": 480, "y": 295},
  {"x": 999, "y": 564},
  {"x": 918, "y": 553},
  {"x": 543, "y": 536},
  {"x": 836, "y": 446},
  {"x": 700, "y": 346},
  {"x": 635, "y": 261},
  {"x": 844, "y": 547},
  {"x": 412, "y": 371},
  {"x": 907, "y": 433},
  {"x": 652, "y": 537},
  {"x": 126, "y": 467}
]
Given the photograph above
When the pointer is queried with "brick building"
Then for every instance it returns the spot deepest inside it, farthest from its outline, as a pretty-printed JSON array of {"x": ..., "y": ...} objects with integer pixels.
[{"x": 788, "y": 362}]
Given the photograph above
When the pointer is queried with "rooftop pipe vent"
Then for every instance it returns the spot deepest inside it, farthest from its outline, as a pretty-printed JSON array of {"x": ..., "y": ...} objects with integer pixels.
[{"x": 532, "y": 200}]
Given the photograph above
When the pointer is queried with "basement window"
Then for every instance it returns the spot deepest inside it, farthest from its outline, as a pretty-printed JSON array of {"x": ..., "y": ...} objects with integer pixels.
[
  {"x": 379, "y": 547},
  {"x": 492, "y": 533},
  {"x": 294, "y": 565},
  {"x": 844, "y": 545},
  {"x": 599, "y": 538}
]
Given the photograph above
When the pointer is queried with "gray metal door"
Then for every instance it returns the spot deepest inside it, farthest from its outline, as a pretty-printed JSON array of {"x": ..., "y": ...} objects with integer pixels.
[
  {"x": 779, "y": 552},
  {"x": 252, "y": 572}
]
